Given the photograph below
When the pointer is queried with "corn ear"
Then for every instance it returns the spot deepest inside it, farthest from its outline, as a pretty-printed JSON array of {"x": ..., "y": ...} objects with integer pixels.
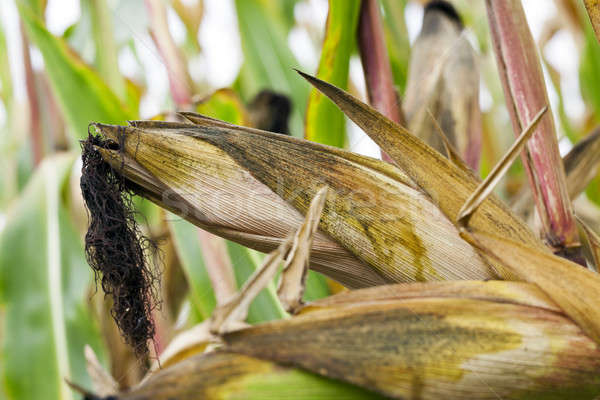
[
  {"x": 239, "y": 208},
  {"x": 431, "y": 348},
  {"x": 453, "y": 340},
  {"x": 444, "y": 79},
  {"x": 232, "y": 181}
]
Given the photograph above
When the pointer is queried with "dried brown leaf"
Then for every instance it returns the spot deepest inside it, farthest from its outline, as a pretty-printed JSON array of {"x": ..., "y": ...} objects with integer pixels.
[
  {"x": 489, "y": 183},
  {"x": 102, "y": 381},
  {"x": 293, "y": 277},
  {"x": 230, "y": 316},
  {"x": 593, "y": 10},
  {"x": 592, "y": 245}
]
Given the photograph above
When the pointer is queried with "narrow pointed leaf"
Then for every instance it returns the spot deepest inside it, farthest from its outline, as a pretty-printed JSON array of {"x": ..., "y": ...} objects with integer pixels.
[
  {"x": 446, "y": 184},
  {"x": 581, "y": 166},
  {"x": 489, "y": 183},
  {"x": 451, "y": 152},
  {"x": 292, "y": 282},
  {"x": 266, "y": 306},
  {"x": 104, "y": 384},
  {"x": 581, "y": 163},
  {"x": 80, "y": 92},
  {"x": 225, "y": 105},
  {"x": 593, "y": 245},
  {"x": 231, "y": 315},
  {"x": 44, "y": 279},
  {"x": 186, "y": 344}
]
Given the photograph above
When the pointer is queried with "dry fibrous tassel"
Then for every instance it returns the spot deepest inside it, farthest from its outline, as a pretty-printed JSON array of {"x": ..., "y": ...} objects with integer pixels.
[{"x": 115, "y": 248}]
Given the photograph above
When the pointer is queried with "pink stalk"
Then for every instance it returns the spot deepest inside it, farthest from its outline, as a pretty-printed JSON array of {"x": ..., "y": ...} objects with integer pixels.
[
  {"x": 179, "y": 79},
  {"x": 525, "y": 92},
  {"x": 376, "y": 65},
  {"x": 35, "y": 126}
]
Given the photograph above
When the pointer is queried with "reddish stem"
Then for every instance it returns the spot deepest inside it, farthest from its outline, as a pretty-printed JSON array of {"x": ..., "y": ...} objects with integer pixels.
[
  {"x": 37, "y": 140},
  {"x": 525, "y": 92},
  {"x": 179, "y": 79}
]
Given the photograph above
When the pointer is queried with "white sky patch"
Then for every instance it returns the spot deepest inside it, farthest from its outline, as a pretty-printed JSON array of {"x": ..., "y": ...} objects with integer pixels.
[
  {"x": 221, "y": 47},
  {"x": 358, "y": 141},
  {"x": 561, "y": 52},
  {"x": 60, "y": 14},
  {"x": 2, "y": 221},
  {"x": 537, "y": 13},
  {"x": 10, "y": 23},
  {"x": 156, "y": 75},
  {"x": 485, "y": 97},
  {"x": 302, "y": 47},
  {"x": 176, "y": 27},
  {"x": 37, "y": 60},
  {"x": 128, "y": 65},
  {"x": 2, "y": 114},
  {"x": 413, "y": 14}
]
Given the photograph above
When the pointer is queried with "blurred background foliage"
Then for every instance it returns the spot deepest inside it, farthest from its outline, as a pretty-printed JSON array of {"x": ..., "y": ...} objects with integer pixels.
[{"x": 66, "y": 63}]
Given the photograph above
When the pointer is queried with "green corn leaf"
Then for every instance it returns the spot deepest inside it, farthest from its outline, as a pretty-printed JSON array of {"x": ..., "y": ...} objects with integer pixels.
[
  {"x": 82, "y": 95},
  {"x": 44, "y": 290},
  {"x": 266, "y": 306},
  {"x": 5, "y": 78},
  {"x": 186, "y": 240},
  {"x": 325, "y": 123},
  {"x": 224, "y": 104},
  {"x": 268, "y": 61}
]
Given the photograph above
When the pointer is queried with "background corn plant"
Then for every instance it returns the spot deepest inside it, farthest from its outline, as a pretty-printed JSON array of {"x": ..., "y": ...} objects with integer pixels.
[{"x": 48, "y": 310}]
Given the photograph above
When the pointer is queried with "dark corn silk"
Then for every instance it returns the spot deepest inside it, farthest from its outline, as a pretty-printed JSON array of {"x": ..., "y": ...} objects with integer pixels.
[{"x": 115, "y": 248}]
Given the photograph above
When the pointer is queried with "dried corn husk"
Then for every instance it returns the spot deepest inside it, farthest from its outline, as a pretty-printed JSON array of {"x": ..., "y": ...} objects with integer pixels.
[{"x": 376, "y": 227}]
